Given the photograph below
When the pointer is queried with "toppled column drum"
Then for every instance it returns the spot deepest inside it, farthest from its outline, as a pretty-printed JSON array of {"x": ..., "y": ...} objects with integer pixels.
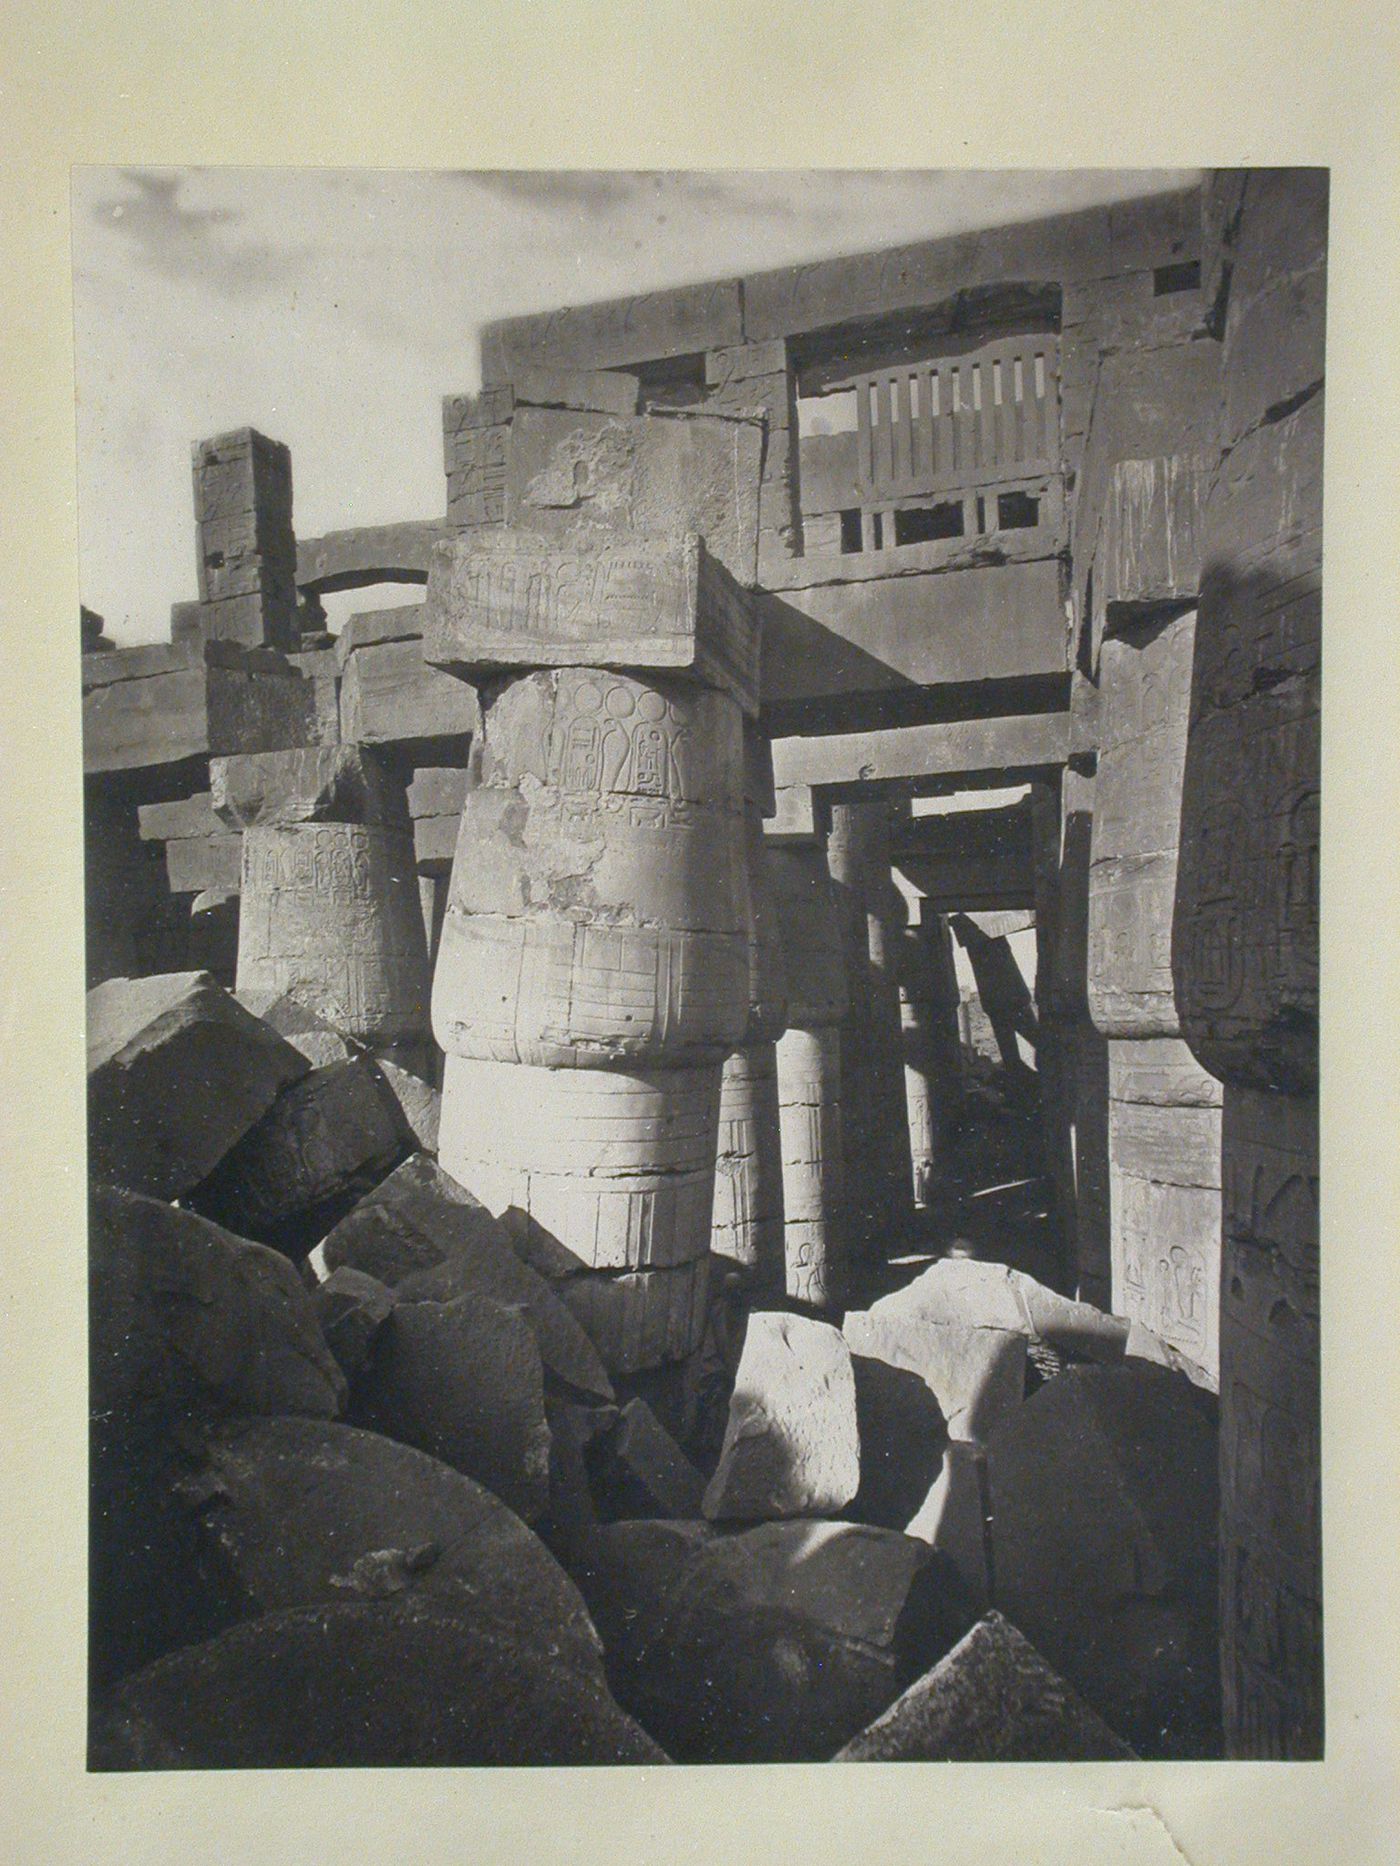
[
  {"x": 330, "y": 909},
  {"x": 593, "y": 971}
]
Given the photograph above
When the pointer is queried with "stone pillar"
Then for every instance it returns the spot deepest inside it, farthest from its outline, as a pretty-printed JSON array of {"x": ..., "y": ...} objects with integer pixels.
[
  {"x": 1164, "y": 1111},
  {"x": 1245, "y": 941},
  {"x": 928, "y": 1010},
  {"x": 247, "y": 549},
  {"x": 593, "y": 970},
  {"x": 747, "y": 1230},
  {"x": 330, "y": 908},
  {"x": 809, "y": 1075},
  {"x": 875, "y": 1122}
]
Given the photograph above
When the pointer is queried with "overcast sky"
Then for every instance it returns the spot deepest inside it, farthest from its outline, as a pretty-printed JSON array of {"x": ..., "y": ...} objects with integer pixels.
[{"x": 333, "y": 309}]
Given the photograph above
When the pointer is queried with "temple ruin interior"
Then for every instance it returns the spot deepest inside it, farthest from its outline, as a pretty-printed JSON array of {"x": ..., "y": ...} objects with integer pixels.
[{"x": 704, "y": 1142}]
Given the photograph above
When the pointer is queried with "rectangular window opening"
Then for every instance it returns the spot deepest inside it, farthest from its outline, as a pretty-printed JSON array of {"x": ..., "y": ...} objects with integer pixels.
[
  {"x": 1017, "y": 511},
  {"x": 926, "y": 524},
  {"x": 1185, "y": 277},
  {"x": 1018, "y": 380},
  {"x": 877, "y": 526},
  {"x": 1039, "y": 378},
  {"x": 850, "y": 531}
]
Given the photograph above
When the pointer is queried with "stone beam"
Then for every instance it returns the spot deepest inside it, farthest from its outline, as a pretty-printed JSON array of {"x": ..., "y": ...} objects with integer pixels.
[
  {"x": 354, "y": 560},
  {"x": 954, "y": 755}
]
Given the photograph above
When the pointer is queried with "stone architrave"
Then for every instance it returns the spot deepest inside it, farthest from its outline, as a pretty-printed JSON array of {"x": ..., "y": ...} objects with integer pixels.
[
  {"x": 593, "y": 969},
  {"x": 809, "y": 1075},
  {"x": 1164, "y": 1116},
  {"x": 747, "y": 1230},
  {"x": 330, "y": 909},
  {"x": 875, "y": 1122}
]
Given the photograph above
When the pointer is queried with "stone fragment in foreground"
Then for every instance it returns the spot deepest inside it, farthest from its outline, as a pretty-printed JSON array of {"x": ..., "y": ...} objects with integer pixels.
[
  {"x": 185, "y": 1318},
  {"x": 306, "y": 1030},
  {"x": 429, "y": 1239},
  {"x": 419, "y": 1102},
  {"x": 1104, "y": 1524},
  {"x": 323, "y": 1144},
  {"x": 772, "y": 1645},
  {"x": 352, "y": 1308},
  {"x": 178, "y": 1071},
  {"x": 792, "y": 1446},
  {"x": 463, "y": 1381},
  {"x": 299, "y": 1512},
  {"x": 991, "y": 1699},
  {"x": 642, "y": 1471},
  {"x": 363, "y": 1684}
]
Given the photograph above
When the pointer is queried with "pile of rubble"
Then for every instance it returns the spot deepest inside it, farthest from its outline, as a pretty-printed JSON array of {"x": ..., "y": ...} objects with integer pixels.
[{"x": 365, "y": 1492}]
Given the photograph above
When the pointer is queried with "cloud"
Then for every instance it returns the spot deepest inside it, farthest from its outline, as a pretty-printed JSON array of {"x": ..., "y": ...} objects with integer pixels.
[{"x": 179, "y": 242}]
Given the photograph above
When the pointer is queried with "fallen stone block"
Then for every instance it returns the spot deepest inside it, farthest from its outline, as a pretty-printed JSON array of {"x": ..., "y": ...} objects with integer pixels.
[
  {"x": 188, "y": 1326},
  {"x": 322, "y": 1145},
  {"x": 640, "y": 1470},
  {"x": 178, "y": 1072},
  {"x": 306, "y": 1030},
  {"x": 792, "y": 1445},
  {"x": 1104, "y": 1522},
  {"x": 759, "y": 1646},
  {"x": 419, "y": 1102},
  {"x": 639, "y": 1318},
  {"x": 991, "y": 1699},
  {"x": 463, "y": 1381},
  {"x": 363, "y": 1684},
  {"x": 572, "y": 1515},
  {"x": 352, "y": 1308},
  {"x": 953, "y": 1517},
  {"x": 294, "y": 1512},
  {"x": 429, "y": 1239},
  {"x": 976, "y": 1374},
  {"x": 903, "y": 1437}
]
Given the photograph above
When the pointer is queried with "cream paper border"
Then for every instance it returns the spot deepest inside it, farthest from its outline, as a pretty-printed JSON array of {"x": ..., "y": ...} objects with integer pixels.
[{"x": 562, "y": 83}]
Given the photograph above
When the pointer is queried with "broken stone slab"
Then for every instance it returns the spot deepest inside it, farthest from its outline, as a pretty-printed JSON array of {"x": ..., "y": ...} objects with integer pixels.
[
  {"x": 642, "y": 1472},
  {"x": 322, "y": 1145},
  {"x": 515, "y": 599},
  {"x": 463, "y": 1381},
  {"x": 572, "y": 1514},
  {"x": 305, "y": 1029},
  {"x": 756, "y": 1647},
  {"x": 178, "y": 1072},
  {"x": 363, "y": 1684},
  {"x": 641, "y": 1318},
  {"x": 352, "y": 1308},
  {"x": 954, "y": 1518},
  {"x": 312, "y": 784},
  {"x": 293, "y": 1512},
  {"x": 429, "y": 1239},
  {"x": 991, "y": 1699},
  {"x": 419, "y": 1102},
  {"x": 903, "y": 1438},
  {"x": 186, "y": 1318},
  {"x": 975, "y": 1373},
  {"x": 792, "y": 1444},
  {"x": 1104, "y": 1523}
]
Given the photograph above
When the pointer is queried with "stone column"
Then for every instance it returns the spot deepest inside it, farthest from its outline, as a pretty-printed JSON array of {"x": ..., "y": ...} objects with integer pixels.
[
  {"x": 1164, "y": 1110},
  {"x": 809, "y": 1072},
  {"x": 928, "y": 1008},
  {"x": 875, "y": 1122},
  {"x": 330, "y": 908},
  {"x": 1245, "y": 942},
  {"x": 747, "y": 1230},
  {"x": 593, "y": 970}
]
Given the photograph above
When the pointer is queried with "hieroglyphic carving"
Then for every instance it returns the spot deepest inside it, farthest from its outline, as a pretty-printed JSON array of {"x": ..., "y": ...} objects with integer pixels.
[{"x": 747, "y": 1229}]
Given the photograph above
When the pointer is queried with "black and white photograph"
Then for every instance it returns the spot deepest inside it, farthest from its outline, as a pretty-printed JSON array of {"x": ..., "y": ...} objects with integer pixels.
[{"x": 702, "y": 822}]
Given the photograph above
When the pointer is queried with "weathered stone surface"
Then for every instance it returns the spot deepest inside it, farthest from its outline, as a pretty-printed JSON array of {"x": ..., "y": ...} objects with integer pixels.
[
  {"x": 975, "y": 1371},
  {"x": 792, "y": 1446},
  {"x": 642, "y": 1471},
  {"x": 419, "y": 1102},
  {"x": 295, "y": 1512},
  {"x": 430, "y": 1239},
  {"x": 903, "y": 1437},
  {"x": 514, "y": 599},
  {"x": 371, "y": 1684},
  {"x": 747, "y": 1226},
  {"x": 176, "y": 704},
  {"x": 247, "y": 549},
  {"x": 991, "y": 1699},
  {"x": 640, "y": 1318},
  {"x": 178, "y": 1072},
  {"x": 323, "y": 1144},
  {"x": 601, "y": 391},
  {"x": 186, "y": 1319},
  {"x": 615, "y": 1166},
  {"x": 680, "y": 322},
  {"x": 463, "y": 1381},
  {"x": 1103, "y": 1509},
  {"x": 351, "y": 1309},
  {"x": 390, "y": 696},
  {"x": 955, "y": 1518},
  {"x": 764, "y": 1646},
  {"x": 312, "y": 784},
  {"x": 306, "y": 1030}
]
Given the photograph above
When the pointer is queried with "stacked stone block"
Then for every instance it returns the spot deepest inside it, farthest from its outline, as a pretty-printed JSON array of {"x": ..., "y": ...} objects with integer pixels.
[{"x": 247, "y": 552}]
